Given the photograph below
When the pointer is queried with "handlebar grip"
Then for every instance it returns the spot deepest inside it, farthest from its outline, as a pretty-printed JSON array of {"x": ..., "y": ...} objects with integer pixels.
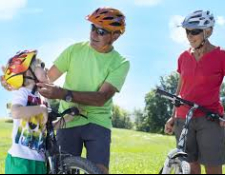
[{"x": 161, "y": 92}]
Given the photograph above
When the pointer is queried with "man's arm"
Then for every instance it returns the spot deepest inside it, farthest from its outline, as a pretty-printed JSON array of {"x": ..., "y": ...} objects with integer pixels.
[
  {"x": 99, "y": 98},
  {"x": 54, "y": 74}
]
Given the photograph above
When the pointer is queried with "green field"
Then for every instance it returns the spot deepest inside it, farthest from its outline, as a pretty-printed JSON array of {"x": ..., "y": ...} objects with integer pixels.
[
  {"x": 132, "y": 152},
  {"x": 5, "y": 140}
]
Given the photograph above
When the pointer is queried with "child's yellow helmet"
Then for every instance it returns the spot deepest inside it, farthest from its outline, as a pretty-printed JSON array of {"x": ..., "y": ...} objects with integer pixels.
[{"x": 17, "y": 66}]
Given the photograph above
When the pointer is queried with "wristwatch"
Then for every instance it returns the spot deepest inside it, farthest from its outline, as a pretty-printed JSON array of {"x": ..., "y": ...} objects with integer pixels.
[{"x": 69, "y": 96}]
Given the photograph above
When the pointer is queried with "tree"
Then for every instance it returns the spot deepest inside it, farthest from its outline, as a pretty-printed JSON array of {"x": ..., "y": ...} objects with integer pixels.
[
  {"x": 157, "y": 109},
  {"x": 222, "y": 94},
  {"x": 139, "y": 119},
  {"x": 121, "y": 118}
]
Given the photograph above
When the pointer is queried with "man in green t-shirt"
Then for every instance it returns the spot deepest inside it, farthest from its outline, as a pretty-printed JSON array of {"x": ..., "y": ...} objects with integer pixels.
[{"x": 94, "y": 73}]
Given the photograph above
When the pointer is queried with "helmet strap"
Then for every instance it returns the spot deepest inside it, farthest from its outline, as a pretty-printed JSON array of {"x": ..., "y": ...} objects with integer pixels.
[
  {"x": 34, "y": 78},
  {"x": 203, "y": 41}
]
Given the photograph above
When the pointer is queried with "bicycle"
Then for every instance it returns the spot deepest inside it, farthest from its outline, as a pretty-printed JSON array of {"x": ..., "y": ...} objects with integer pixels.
[
  {"x": 177, "y": 159},
  {"x": 64, "y": 163}
]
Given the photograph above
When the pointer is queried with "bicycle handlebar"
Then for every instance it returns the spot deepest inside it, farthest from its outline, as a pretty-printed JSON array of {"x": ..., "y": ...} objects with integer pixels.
[
  {"x": 174, "y": 97},
  {"x": 177, "y": 101},
  {"x": 53, "y": 115}
]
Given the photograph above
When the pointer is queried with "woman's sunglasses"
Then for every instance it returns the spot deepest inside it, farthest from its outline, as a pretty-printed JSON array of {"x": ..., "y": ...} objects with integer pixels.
[
  {"x": 99, "y": 31},
  {"x": 194, "y": 32}
]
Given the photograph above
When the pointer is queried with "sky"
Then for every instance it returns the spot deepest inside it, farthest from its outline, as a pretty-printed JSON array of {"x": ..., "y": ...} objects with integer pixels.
[{"x": 152, "y": 41}]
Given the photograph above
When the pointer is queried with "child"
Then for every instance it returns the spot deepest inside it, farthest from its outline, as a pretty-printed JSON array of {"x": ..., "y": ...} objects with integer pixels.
[
  {"x": 29, "y": 112},
  {"x": 30, "y": 115}
]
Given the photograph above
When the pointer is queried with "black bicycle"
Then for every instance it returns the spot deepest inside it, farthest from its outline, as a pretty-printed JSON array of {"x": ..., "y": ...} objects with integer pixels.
[
  {"x": 176, "y": 161},
  {"x": 64, "y": 163}
]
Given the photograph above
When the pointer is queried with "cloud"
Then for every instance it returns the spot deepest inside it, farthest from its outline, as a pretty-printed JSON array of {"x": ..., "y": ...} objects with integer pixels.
[
  {"x": 220, "y": 20},
  {"x": 9, "y": 8},
  {"x": 33, "y": 11},
  {"x": 147, "y": 2},
  {"x": 177, "y": 33}
]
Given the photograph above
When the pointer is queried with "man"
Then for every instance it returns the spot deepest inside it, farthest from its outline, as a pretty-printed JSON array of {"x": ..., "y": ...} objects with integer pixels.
[{"x": 94, "y": 73}]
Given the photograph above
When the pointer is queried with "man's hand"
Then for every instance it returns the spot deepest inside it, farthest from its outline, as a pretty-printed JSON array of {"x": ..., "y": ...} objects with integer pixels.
[
  {"x": 4, "y": 83},
  {"x": 169, "y": 127},
  {"x": 50, "y": 91}
]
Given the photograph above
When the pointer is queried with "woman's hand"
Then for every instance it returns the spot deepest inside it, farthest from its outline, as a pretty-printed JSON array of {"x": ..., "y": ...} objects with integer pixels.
[{"x": 169, "y": 127}]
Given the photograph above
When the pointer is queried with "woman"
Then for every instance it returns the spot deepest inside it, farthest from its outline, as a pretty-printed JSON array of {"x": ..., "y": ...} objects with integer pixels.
[{"x": 201, "y": 70}]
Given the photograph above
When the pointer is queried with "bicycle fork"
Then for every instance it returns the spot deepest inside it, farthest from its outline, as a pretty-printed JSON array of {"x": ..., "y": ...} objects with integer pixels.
[{"x": 178, "y": 154}]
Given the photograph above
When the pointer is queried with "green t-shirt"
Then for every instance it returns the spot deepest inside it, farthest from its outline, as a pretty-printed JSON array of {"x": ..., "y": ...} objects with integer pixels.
[{"x": 87, "y": 70}]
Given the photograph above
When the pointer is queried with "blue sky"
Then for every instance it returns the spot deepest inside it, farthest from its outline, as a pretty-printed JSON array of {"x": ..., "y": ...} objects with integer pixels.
[{"x": 152, "y": 41}]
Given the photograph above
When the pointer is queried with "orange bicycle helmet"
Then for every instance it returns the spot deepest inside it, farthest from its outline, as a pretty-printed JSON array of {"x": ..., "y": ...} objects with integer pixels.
[
  {"x": 108, "y": 18},
  {"x": 17, "y": 67}
]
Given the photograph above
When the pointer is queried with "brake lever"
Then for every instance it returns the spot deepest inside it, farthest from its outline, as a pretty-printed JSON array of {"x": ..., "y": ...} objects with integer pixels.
[
  {"x": 73, "y": 112},
  {"x": 53, "y": 115},
  {"x": 212, "y": 116},
  {"x": 177, "y": 103}
]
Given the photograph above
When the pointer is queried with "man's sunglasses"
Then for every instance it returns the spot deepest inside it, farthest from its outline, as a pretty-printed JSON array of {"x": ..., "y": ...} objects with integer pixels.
[
  {"x": 194, "y": 32},
  {"x": 99, "y": 31}
]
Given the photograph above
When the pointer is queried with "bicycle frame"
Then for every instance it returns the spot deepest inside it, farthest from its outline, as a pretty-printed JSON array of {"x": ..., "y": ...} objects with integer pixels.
[
  {"x": 183, "y": 137},
  {"x": 54, "y": 155},
  {"x": 52, "y": 151},
  {"x": 176, "y": 156}
]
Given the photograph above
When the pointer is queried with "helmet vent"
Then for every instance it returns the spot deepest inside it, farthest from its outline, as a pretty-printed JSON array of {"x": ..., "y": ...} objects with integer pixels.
[
  {"x": 206, "y": 22},
  {"x": 194, "y": 22},
  {"x": 211, "y": 18},
  {"x": 104, "y": 12},
  {"x": 115, "y": 24},
  {"x": 196, "y": 16},
  {"x": 97, "y": 10},
  {"x": 108, "y": 18}
]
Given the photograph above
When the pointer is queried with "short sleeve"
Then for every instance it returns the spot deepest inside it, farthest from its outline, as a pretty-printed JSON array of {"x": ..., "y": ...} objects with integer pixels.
[
  {"x": 117, "y": 76},
  {"x": 63, "y": 61},
  {"x": 20, "y": 97},
  {"x": 223, "y": 61},
  {"x": 179, "y": 63}
]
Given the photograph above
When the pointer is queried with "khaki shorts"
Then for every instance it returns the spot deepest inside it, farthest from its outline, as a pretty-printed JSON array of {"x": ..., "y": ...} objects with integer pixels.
[{"x": 205, "y": 142}]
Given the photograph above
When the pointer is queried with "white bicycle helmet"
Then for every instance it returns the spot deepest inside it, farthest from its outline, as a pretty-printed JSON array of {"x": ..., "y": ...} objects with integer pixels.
[{"x": 199, "y": 20}]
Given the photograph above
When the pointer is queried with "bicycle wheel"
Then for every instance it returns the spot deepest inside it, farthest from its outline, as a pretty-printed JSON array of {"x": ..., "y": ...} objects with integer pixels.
[
  {"x": 78, "y": 165},
  {"x": 181, "y": 167}
]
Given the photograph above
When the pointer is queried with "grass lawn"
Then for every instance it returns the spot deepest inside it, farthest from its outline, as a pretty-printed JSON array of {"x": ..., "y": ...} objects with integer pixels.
[
  {"x": 131, "y": 153},
  {"x": 5, "y": 141}
]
